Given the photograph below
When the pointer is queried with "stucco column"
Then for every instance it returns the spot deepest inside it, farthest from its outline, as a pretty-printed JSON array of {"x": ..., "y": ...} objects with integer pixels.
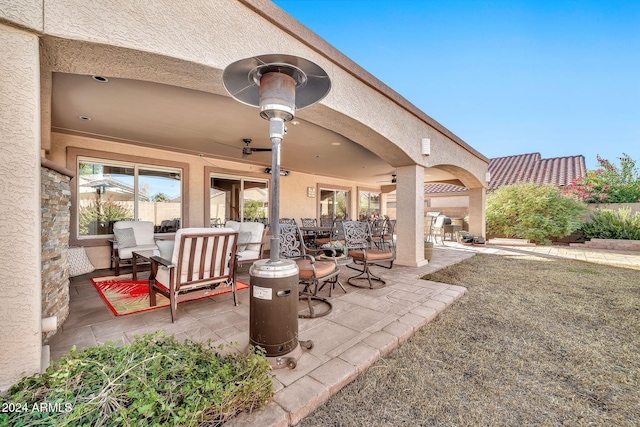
[
  {"x": 20, "y": 287},
  {"x": 477, "y": 215},
  {"x": 383, "y": 204},
  {"x": 410, "y": 213}
]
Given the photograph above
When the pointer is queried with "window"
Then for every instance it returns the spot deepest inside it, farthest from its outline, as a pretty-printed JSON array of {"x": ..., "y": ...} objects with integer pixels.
[
  {"x": 369, "y": 205},
  {"x": 238, "y": 199},
  {"x": 113, "y": 191},
  {"x": 334, "y": 204}
]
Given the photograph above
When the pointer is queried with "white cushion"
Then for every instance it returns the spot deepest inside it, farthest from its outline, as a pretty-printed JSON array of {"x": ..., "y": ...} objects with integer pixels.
[
  {"x": 244, "y": 237},
  {"x": 78, "y": 262},
  {"x": 233, "y": 224},
  {"x": 143, "y": 230},
  {"x": 166, "y": 248},
  {"x": 247, "y": 254},
  {"x": 127, "y": 253},
  {"x": 125, "y": 237},
  {"x": 255, "y": 228}
]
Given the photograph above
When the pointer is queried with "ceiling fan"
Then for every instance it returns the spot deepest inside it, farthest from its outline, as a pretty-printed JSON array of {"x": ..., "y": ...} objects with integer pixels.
[
  {"x": 247, "y": 151},
  {"x": 393, "y": 179}
]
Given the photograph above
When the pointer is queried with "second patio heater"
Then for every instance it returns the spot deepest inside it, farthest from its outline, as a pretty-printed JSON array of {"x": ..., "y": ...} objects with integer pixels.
[{"x": 279, "y": 85}]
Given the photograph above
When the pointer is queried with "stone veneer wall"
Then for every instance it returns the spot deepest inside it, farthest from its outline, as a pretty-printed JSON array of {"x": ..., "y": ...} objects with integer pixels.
[{"x": 55, "y": 206}]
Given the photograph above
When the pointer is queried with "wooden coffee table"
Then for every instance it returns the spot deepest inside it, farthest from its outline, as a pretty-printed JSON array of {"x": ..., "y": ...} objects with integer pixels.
[{"x": 145, "y": 258}]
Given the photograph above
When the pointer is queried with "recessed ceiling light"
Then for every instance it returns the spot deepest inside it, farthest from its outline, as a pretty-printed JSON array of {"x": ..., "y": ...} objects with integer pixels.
[
  {"x": 100, "y": 79},
  {"x": 85, "y": 118},
  {"x": 336, "y": 143},
  {"x": 295, "y": 123}
]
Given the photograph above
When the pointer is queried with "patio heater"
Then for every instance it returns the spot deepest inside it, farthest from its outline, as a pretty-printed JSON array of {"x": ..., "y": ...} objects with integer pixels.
[{"x": 278, "y": 85}]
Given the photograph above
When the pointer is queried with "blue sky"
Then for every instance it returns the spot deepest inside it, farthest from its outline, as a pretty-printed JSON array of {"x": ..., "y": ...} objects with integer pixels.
[{"x": 559, "y": 77}]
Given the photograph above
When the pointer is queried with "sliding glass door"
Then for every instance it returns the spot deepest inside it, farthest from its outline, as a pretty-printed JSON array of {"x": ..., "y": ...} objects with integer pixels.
[
  {"x": 237, "y": 199},
  {"x": 334, "y": 203}
]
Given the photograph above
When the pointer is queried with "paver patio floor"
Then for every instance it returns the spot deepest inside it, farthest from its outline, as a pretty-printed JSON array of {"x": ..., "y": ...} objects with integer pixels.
[{"x": 363, "y": 326}]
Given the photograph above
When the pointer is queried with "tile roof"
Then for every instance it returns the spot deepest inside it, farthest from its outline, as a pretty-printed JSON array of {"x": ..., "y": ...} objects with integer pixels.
[
  {"x": 444, "y": 188},
  {"x": 529, "y": 167}
]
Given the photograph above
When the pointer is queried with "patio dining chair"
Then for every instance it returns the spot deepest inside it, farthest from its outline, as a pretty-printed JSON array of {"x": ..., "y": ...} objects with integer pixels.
[
  {"x": 312, "y": 272},
  {"x": 377, "y": 226},
  {"x": 388, "y": 235},
  {"x": 365, "y": 254},
  {"x": 309, "y": 236},
  {"x": 203, "y": 259}
]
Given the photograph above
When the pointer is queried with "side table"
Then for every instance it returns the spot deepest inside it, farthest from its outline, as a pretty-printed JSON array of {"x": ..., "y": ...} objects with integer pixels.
[{"x": 145, "y": 258}]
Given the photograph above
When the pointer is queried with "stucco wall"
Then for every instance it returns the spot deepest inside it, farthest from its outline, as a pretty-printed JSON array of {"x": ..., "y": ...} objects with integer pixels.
[
  {"x": 184, "y": 31},
  {"x": 26, "y": 13},
  {"x": 20, "y": 340},
  {"x": 293, "y": 188}
]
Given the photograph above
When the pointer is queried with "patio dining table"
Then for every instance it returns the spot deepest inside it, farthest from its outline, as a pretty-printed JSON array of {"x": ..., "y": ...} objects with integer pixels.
[
  {"x": 313, "y": 232},
  {"x": 316, "y": 229}
]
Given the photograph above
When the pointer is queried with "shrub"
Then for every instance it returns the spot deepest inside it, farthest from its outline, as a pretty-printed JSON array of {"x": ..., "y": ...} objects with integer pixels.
[
  {"x": 154, "y": 381},
  {"x": 98, "y": 210},
  {"x": 532, "y": 211},
  {"x": 608, "y": 183},
  {"x": 609, "y": 224}
]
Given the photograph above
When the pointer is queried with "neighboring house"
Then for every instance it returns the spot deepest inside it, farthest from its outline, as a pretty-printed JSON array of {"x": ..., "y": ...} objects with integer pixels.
[{"x": 453, "y": 200}]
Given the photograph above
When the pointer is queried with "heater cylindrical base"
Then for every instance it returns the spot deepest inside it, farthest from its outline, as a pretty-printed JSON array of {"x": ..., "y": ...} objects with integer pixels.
[{"x": 273, "y": 306}]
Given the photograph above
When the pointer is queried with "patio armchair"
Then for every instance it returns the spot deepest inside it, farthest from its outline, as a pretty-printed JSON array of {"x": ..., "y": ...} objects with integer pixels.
[
  {"x": 251, "y": 240},
  {"x": 438, "y": 228},
  {"x": 203, "y": 259},
  {"x": 130, "y": 236},
  {"x": 312, "y": 272},
  {"x": 361, "y": 247}
]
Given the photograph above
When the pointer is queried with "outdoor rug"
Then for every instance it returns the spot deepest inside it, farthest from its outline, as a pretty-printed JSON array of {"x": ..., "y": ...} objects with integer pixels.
[{"x": 125, "y": 296}]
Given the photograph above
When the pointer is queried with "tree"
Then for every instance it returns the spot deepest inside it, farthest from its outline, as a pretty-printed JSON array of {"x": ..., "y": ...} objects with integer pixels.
[
  {"x": 534, "y": 212},
  {"x": 253, "y": 210},
  {"x": 608, "y": 183},
  {"x": 159, "y": 198}
]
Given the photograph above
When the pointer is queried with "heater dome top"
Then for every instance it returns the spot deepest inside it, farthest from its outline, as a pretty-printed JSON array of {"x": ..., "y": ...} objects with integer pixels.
[{"x": 242, "y": 78}]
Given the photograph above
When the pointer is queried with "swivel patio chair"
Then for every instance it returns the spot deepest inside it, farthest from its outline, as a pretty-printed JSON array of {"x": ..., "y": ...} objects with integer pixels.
[
  {"x": 203, "y": 259},
  {"x": 309, "y": 236},
  {"x": 377, "y": 231},
  {"x": 312, "y": 272},
  {"x": 291, "y": 221},
  {"x": 365, "y": 254}
]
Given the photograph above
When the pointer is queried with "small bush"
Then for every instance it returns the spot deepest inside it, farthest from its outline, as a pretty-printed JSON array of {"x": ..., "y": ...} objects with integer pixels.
[
  {"x": 609, "y": 224},
  {"x": 155, "y": 381},
  {"x": 532, "y": 211}
]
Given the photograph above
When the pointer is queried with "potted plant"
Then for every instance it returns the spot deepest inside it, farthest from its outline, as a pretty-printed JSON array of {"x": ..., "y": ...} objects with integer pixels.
[
  {"x": 428, "y": 249},
  {"x": 329, "y": 248}
]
